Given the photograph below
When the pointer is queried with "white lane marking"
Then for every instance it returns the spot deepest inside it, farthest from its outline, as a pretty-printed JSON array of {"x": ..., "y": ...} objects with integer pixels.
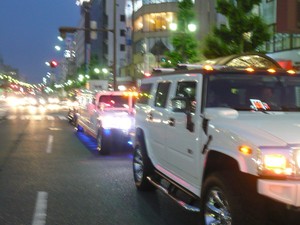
[
  {"x": 40, "y": 212},
  {"x": 50, "y": 117},
  {"x": 25, "y": 117},
  {"x": 49, "y": 144},
  {"x": 37, "y": 117},
  {"x": 12, "y": 117}
]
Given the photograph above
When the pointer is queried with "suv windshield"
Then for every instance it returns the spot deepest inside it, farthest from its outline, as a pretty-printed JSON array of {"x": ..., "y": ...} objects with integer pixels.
[
  {"x": 115, "y": 101},
  {"x": 254, "y": 92}
]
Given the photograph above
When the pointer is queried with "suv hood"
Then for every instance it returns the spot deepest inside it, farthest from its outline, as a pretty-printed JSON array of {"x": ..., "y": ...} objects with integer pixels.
[{"x": 262, "y": 128}]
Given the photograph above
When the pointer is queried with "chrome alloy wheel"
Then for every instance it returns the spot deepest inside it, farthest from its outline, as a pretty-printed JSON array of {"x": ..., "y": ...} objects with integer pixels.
[
  {"x": 99, "y": 141},
  {"x": 138, "y": 165},
  {"x": 217, "y": 210}
]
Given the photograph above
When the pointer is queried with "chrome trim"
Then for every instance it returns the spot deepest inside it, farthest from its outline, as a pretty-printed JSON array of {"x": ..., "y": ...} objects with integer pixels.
[{"x": 181, "y": 203}]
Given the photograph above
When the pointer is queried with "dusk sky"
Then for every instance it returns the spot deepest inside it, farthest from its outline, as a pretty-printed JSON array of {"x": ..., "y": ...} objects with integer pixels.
[{"x": 28, "y": 33}]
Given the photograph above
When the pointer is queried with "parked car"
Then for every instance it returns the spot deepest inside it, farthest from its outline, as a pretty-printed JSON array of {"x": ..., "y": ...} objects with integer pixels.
[
  {"x": 209, "y": 139},
  {"x": 108, "y": 117}
]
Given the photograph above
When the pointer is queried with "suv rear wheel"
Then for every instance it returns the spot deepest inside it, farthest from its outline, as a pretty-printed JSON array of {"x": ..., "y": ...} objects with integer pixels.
[{"x": 142, "y": 167}]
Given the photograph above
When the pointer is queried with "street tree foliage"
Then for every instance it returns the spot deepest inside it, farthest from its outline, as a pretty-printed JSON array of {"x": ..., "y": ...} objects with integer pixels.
[
  {"x": 184, "y": 42},
  {"x": 94, "y": 63},
  {"x": 244, "y": 31}
]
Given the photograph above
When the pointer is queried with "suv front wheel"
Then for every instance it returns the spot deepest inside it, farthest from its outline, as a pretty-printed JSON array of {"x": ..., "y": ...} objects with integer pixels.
[
  {"x": 226, "y": 200},
  {"x": 142, "y": 167},
  {"x": 104, "y": 142}
]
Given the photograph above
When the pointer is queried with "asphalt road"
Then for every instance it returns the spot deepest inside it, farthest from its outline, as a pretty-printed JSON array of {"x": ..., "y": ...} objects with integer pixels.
[{"x": 51, "y": 175}]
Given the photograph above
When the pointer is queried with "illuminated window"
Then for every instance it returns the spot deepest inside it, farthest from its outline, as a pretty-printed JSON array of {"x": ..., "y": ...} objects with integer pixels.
[
  {"x": 154, "y": 22},
  {"x": 144, "y": 93}
]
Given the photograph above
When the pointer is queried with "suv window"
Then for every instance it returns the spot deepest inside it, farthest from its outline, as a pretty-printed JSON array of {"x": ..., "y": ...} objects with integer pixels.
[
  {"x": 145, "y": 93},
  {"x": 114, "y": 101},
  {"x": 187, "y": 89},
  {"x": 162, "y": 94},
  {"x": 243, "y": 92}
]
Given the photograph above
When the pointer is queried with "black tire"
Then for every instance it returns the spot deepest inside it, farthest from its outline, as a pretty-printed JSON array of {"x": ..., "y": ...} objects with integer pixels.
[
  {"x": 78, "y": 128},
  {"x": 142, "y": 167},
  {"x": 74, "y": 120},
  {"x": 104, "y": 142},
  {"x": 226, "y": 201}
]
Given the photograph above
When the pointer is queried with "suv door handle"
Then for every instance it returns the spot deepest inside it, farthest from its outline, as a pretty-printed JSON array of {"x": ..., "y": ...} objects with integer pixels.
[{"x": 171, "y": 122}]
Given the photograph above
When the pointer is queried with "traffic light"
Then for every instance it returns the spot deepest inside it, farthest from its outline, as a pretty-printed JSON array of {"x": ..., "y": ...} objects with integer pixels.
[
  {"x": 53, "y": 64},
  {"x": 64, "y": 30}
]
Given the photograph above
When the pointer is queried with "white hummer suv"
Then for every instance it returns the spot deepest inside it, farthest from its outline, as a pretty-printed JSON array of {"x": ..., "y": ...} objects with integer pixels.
[
  {"x": 221, "y": 141},
  {"x": 108, "y": 117}
]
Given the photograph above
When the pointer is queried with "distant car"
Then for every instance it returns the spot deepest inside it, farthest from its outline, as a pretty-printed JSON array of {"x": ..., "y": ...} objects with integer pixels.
[{"x": 108, "y": 117}]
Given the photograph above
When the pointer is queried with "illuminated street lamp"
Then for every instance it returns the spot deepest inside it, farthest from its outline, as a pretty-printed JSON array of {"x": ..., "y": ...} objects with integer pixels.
[
  {"x": 57, "y": 47},
  {"x": 97, "y": 70},
  {"x": 191, "y": 27},
  {"x": 81, "y": 2},
  {"x": 104, "y": 70},
  {"x": 81, "y": 78}
]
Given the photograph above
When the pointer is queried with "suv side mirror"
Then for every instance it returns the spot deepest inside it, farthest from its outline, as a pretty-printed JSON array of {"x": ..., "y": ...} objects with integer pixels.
[{"x": 182, "y": 104}]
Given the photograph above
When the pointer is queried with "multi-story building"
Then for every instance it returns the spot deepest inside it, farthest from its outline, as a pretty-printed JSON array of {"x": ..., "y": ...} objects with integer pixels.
[
  {"x": 152, "y": 34},
  {"x": 284, "y": 20},
  {"x": 68, "y": 62},
  {"x": 100, "y": 45},
  {"x": 150, "y": 27},
  {"x": 143, "y": 32},
  {"x": 150, "y": 22}
]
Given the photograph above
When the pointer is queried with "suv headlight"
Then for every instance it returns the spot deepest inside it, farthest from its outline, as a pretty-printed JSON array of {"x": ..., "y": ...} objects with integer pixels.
[
  {"x": 117, "y": 122},
  {"x": 281, "y": 163}
]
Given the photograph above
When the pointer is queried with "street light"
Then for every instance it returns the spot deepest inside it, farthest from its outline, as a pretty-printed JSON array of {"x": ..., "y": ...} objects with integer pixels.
[
  {"x": 60, "y": 38},
  {"x": 57, "y": 47},
  {"x": 191, "y": 27},
  {"x": 81, "y": 2},
  {"x": 97, "y": 70}
]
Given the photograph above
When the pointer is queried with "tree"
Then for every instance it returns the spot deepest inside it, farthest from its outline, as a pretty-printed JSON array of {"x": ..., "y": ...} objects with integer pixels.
[
  {"x": 184, "y": 41},
  {"x": 244, "y": 32}
]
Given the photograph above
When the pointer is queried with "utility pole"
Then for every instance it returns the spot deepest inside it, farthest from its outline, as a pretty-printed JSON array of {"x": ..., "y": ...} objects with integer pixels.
[
  {"x": 87, "y": 38},
  {"x": 115, "y": 48}
]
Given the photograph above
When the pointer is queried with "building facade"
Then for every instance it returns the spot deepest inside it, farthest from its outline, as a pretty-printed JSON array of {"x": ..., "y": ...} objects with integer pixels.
[
  {"x": 282, "y": 17},
  {"x": 151, "y": 36},
  {"x": 100, "y": 45},
  {"x": 150, "y": 33},
  {"x": 144, "y": 35}
]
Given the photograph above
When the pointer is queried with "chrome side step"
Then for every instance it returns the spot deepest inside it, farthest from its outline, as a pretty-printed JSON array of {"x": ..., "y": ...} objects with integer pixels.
[{"x": 181, "y": 203}]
